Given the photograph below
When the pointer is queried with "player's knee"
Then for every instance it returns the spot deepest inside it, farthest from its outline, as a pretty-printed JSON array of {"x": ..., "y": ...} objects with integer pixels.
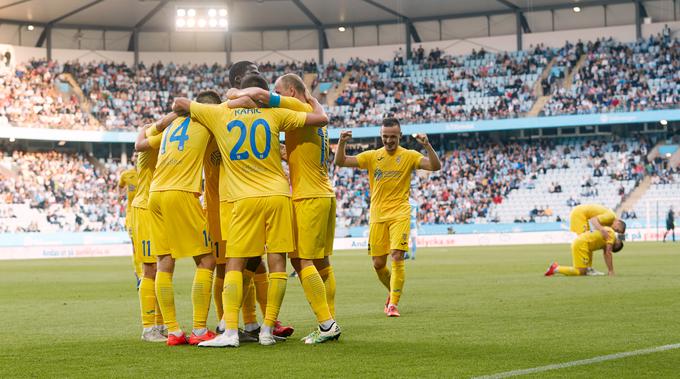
[
  {"x": 321, "y": 264},
  {"x": 297, "y": 264},
  {"x": 149, "y": 270},
  {"x": 276, "y": 262},
  {"x": 397, "y": 255},
  {"x": 379, "y": 264},
  {"x": 220, "y": 270}
]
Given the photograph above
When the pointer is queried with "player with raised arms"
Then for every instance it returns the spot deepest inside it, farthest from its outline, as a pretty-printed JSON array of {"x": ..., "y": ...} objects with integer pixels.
[
  {"x": 389, "y": 173},
  {"x": 262, "y": 215}
]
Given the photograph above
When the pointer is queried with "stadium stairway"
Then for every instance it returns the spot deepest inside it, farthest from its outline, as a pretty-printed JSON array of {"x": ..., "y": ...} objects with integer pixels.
[
  {"x": 85, "y": 104},
  {"x": 635, "y": 195},
  {"x": 309, "y": 79},
  {"x": 540, "y": 102},
  {"x": 334, "y": 93},
  {"x": 538, "y": 88},
  {"x": 569, "y": 80}
]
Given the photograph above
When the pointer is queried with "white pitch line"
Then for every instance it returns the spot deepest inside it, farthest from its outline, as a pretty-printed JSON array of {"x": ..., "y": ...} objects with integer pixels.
[{"x": 582, "y": 362}]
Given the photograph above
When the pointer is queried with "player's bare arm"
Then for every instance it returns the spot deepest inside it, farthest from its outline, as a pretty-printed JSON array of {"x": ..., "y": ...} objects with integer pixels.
[
  {"x": 142, "y": 142},
  {"x": 259, "y": 95},
  {"x": 341, "y": 159},
  {"x": 609, "y": 259},
  {"x": 598, "y": 226},
  {"x": 241, "y": 102},
  {"x": 181, "y": 106},
  {"x": 431, "y": 162}
]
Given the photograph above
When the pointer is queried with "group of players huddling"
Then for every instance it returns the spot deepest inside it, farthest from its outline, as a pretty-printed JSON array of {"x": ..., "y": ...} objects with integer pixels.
[{"x": 229, "y": 152}]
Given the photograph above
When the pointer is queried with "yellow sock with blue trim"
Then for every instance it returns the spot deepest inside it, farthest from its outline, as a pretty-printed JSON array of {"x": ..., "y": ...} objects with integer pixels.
[
  {"x": 218, "y": 286},
  {"x": 232, "y": 297},
  {"x": 200, "y": 296},
  {"x": 312, "y": 284},
  {"x": 397, "y": 281},
  {"x": 384, "y": 276},
  {"x": 328, "y": 277},
  {"x": 166, "y": 300},
  {"x": 568, "y": 271},
  {"x": 147, "y": 302},
  {"x": 275, "y": 294},
  {"x": 248, "y": 308}
]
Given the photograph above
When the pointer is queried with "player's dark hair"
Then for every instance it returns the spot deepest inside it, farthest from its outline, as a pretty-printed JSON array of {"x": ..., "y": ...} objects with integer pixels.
[
  {"x": 237, "y": 71},
  {"x": 255, "y": 81},
  {"x": 208, "y": 97},
  {"x": 618, "y": 245},
  {"x": 293, "y": 80},
  {"x": 623, "y": 226},
  {"x": 389, "y": 122}
]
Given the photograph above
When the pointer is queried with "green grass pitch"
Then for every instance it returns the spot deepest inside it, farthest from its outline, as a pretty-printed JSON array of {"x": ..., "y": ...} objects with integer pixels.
[{"x": 465, "y": 312}]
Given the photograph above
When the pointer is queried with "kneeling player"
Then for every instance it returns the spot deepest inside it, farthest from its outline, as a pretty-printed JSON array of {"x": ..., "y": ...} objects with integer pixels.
[{"x": 582, "y": 253}]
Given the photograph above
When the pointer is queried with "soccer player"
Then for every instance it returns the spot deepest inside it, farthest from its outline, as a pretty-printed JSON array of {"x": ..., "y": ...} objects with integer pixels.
[
  {"x": 178, "y": 225},
  {"x": 147, "y": 155},
  {"x": 582, "y": 253},
  {"x": 262, "y": 213},
  {"x": 389, "y": 174},
  {"x": 586, "y": 217},
  {"x": 670, "y": 224},
  {"x": 307, "y": 152},
  {"x": 128, "y": 180},
  {"x": 257, "y": 282}
]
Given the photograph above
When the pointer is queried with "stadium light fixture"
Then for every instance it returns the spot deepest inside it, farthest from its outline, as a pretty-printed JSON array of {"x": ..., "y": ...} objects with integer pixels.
[
  {"x": 12, "y": 139},
  {"x": 61, "y": 143},
  {"x": 668, "y": 155},
  {"x": 663, "y": 122},
  {"x": 30, "y": 28},
  {"x": 341, "y": 28},
  {"x": 577, "y": 9},
  {"x": 197, "y": 17}
]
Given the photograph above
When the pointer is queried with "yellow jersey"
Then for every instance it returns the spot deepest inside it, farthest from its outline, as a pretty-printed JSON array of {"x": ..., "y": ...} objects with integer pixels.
[
  {"x": 146, "y": 164},
  {"x": 308, "y": 152},
  {"x": 248, "y": 140},
  {"x": 389, "y": 178},
  {"x": 212, "y": 162},
  {"x": 595, "y": 240},
  {"x": 128, "y": 179},
  {"x": 180, "y": 158},
  {"x": 587, "y": 211}
]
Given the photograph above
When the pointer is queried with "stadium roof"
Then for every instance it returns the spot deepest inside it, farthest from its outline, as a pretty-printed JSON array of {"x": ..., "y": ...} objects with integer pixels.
[{"x": 257, "y": 15}]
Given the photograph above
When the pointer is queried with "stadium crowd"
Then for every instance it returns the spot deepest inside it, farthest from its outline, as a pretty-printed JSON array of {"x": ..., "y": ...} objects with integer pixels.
[
  {"x": 432, "y": 87},
  {"x": 66, "y": 190}
]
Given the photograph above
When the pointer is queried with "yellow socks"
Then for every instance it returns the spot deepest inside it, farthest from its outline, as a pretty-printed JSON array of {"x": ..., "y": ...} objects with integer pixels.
[
  {"x": 159, "y": 314},
  {"x": 384, "y": 276},
  {"x": 261, "y": 290},
  {"x": 568, "y": 271},
  {"x": 218, "y": 285},
  {"x": 249, "y": 309},
  {"x": 328, "y": 277},
  {"x": 166, "y": 299},
  {"x": 232, "y": 296},
  {"x": 397, "y": 281},
  {"x": 275, "y": 294},
  {"x": 200, "y": 296},
  {"x": 315, "y": 293},
  {"x": 147, "y": 302}
]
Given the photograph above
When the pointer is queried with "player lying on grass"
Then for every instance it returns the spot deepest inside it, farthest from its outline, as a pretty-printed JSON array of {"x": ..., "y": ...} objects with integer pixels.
[
  {"x": 313, "y": 202},
  {"x": 582, "y": 253},
  {"x": 389, "y": 171}
]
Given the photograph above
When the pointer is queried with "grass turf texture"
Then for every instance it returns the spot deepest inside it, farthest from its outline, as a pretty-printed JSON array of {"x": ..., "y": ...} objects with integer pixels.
[{"x": 465, "y": 312}]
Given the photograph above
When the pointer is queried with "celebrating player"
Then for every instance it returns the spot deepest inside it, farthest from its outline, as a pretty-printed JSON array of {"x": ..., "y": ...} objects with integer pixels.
[
  {"x": 147, "y": 155},
  {"x": 313, "y": 204},
  {"x": 178, "y": 224},
  {"x": 582, "y": 252},
  {"x": 262, "y": 211},
  {"x": 389, "y": 172}
]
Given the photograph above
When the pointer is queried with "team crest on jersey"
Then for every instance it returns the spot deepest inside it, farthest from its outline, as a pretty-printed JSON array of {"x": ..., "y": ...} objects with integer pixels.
[
  {"x": 216, "y": 158},
  {"x": 399, "y": 159}
]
